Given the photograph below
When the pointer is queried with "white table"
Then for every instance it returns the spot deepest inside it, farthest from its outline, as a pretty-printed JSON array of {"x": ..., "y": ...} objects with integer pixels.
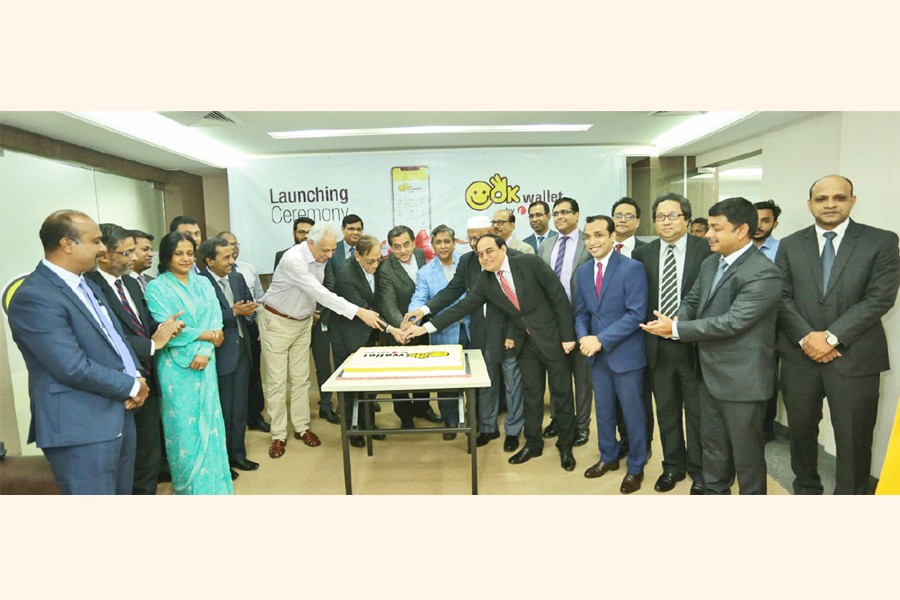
[{"x": 369, "y": 388}]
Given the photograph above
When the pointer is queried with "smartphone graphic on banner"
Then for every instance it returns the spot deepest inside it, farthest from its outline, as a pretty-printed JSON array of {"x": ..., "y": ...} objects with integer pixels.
[{"x": 411, "y": 197}]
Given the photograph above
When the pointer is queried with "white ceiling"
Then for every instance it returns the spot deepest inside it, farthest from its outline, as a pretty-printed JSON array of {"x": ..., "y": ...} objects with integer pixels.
[{"x": 249, "y": 134}]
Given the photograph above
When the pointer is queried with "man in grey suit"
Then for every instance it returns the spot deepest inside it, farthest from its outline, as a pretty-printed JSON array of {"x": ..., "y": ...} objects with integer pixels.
[
  {"x": 840, "y": 278},
  {"x": 730, "y": 313},
  {"x": 565, "y": 253}
]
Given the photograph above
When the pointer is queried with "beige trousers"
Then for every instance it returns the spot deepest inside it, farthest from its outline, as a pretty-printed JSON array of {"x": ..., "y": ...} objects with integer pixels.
[{"x": 285, "y": 346}]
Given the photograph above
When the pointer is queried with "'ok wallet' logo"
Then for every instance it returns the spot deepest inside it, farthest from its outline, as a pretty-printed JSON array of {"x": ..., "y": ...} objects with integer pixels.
[{"x": 481, "y": 194}]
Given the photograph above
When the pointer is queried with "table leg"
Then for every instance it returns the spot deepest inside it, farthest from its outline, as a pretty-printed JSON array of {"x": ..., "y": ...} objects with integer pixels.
[
  {"x": 470, "y": 410},
  {"x": 345, "y": 450}
]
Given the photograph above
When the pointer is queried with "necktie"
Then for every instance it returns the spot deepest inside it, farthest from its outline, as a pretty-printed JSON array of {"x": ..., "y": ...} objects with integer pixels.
[
  {"x": 668, "y": 293},
  {"x": 827, "y": 259},
  {"x": 127, "y": 306},
  {"x": 540, "y": 239},
  {"x": 143, "y": 281},
  {"x": 352, "y": 250},
  {"x": 111, "y": 333},
  {"x": 229, "y": 296},
  {"x": 598, "y": 284},
  {"x": 560, "y": 256},
  {"x": 619, "y": 247},
  {"x": 719, "y": 272},
  {"x": 507, "y": 289}
]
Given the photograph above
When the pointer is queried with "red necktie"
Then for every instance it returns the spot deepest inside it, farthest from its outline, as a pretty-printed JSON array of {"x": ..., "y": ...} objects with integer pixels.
[
  {"x": 508, "y": 291},
  {"x": 619, "y": 247},
  {"x": 599, "y": 283}
]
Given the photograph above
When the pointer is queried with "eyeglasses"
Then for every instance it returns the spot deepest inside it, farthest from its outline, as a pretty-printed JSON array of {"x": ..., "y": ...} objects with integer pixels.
[
  {"x": 125, "y": 254},
  {"x": 303, "y": 233},
  {"x": 500, "y": 222},
  {"x": 558, "y": 213},
  {"x": 537, "y": 215},
  {"x": 673, "y": 216},
  {"x": 627, "y": 217}
]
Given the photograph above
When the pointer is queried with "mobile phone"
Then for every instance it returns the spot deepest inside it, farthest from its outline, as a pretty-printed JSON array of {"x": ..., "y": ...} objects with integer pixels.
[{"x": 411, "y": 197}]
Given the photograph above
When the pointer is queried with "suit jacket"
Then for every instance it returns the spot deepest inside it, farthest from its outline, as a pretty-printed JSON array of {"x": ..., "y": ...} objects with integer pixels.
[
  {"x": 615, "y": 316},
  {"x": 544, "y": 310},
  {"x": 351, "y": 284},
  {"x": 531, "y": 240},
  {"x": 139, "y": 344},
  {"x": 863, "y": 287},
  {"x": 517, "y": 244},
  {"x": 396, "y": 287},
  {"x": 337, "y": 260},
  {"x": 581, "y": 256},
  {"x": 734, "y": 325},
  {"x": 430, "y": 280},
  {"x": 76, "y": 379},
  {"x": 228, "y": 353},
  {"x": 278, "y": 256},
  {"x": 648, "y": 255}
]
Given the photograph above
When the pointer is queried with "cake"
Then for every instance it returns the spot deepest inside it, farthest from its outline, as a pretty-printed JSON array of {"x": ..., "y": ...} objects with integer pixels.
[{"x": 399, "y": 362}]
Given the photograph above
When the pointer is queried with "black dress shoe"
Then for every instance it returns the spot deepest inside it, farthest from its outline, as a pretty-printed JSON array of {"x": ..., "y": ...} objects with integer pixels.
[
  {"x": 376, "y": 407},
  {"x": 330, "y": 416},
  {"x": 631, "y": 483},
  {"x": 698, "y": 489},
  {"x": 449, "y": 436},
  {"x": 357, "y": 441},
  {"x": 245, "y": 465},
  {"x": 600, "y": 469},
  {"x": 511, "y": 443},
  {"x": 566, "y": 460},
  {"x": 483, "y": 438},
  {"x": 234, "y": 474},
  {"x": 582, "y": 436},
  {"x": 407, "y": 424},
  {"x": 524, "y": 455},
  {"x": 430, "y": 416},
  {"x": 552, "y": 430},
  {"x": 667, "y": 481},
  {"x": 259, "y": 425}
]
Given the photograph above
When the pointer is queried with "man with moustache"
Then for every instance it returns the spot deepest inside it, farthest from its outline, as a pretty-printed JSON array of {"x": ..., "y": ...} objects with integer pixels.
[
  {"x": 83, "y": 379},
  {"x": 504, "y": 225},
  {"x": 488, "y": 331},
  {"x": 541, "y": 327},
  {"x": 610, "y": 303},
  {"x": 143, "y": 257},
  {"x": 626, "y": 215},
  {"x": 840, "y": 278},
  {"x": 730, "y": 312},
  {"x": 539, "y": 221},
  {"x": 768, "y": 213},
  {"x": 672, "y": 263}
]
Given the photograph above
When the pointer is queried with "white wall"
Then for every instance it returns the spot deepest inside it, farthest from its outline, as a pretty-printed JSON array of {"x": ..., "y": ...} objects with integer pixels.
[{"x": 864, "y": 147}]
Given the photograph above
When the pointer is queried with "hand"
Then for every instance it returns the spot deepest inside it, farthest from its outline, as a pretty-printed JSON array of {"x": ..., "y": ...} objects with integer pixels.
[
  {"x": 662, "y": 326},
  {"x": 199, "y": 363},
  {"x": 568, "y": 346},
  {"x": 411, "y": 318},
  {"x": 244, "y": 308},
  {"x": 370, "y": 318},
  {"x": 138, "y": 400},
  {"x": 815, "y": 346},
  {"x": 402, "y": 337},
  {"x": 590, "y": 345},
  {"x": 830, "y": 356},
  {"x": 509, "y": 344},
  {"x": 220, "y": 337},
  {"x": 167, "y": 330},
  {"x": 415, "y": 331},
  {"x": 316, "y": 316}
]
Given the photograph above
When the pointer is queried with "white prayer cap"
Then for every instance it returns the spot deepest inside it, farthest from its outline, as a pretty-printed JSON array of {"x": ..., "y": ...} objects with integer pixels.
[{"x": 478, "y": 222}]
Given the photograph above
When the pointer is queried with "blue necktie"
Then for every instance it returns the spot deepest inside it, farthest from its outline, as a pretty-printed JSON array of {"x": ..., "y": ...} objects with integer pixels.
[
  {"x": 117, "y": 341},
  {"x": 827, "y": 259},
  {"x": 560, "y": 256},
  {"x": 723, "y": 266}
]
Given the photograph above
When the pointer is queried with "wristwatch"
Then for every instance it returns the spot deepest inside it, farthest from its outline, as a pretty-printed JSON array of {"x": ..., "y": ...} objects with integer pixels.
[{"x": 831, "y": 339}]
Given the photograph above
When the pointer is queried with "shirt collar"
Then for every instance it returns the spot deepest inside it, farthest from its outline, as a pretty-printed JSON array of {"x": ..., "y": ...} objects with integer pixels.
[
  {"x": 840, "y": 230},
  {"x": 737, "y": 254},
  {"x": 108, "y": 278},
  {"x": 72, "y": 280}
]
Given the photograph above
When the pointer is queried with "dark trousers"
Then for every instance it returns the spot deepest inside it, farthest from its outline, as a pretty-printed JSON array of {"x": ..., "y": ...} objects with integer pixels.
[
  {"x": 233, "y": 397},
  {"x": 256, "y": 401},
  {"x": 676, "y": 387},
  {"x": 772, "y": 404},
  {"x": 733, "y": 444},
  {"x": 853, "y": 403},
  {"x": 321, "y": 351},
  {"x": 148, "y": 448},
  {"x": 584, "y": 389},
  {"x": 99, "y": 468},
  {"x": 533, "y": 364},
  {"x": 623, "y": 390}
]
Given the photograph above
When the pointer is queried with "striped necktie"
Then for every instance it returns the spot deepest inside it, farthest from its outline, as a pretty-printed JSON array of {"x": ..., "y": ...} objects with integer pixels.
[
  {"x": 560, "y": 256},
  {"x": 111, "y": 334},
  {"x": 668, "y": 293},
  {"x": 827, "y": 259},
  {"x": 507, "y": 289},
  {"x": 127, "y": 306}
]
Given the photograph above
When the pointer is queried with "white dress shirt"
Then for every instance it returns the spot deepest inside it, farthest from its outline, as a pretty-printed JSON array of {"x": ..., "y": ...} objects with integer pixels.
[
  {"x": 840, "y": 230},
  {"x": 566, "y": 275}
]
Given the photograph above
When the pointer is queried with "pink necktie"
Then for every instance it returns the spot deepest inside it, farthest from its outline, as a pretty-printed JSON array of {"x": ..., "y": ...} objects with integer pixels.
[
  {"x": 599, "y": 283},
  {"x": 508, "y": 291}
]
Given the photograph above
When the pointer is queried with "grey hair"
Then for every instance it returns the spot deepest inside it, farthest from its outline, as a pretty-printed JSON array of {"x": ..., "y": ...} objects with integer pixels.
[{"x": 318, "y": 231}]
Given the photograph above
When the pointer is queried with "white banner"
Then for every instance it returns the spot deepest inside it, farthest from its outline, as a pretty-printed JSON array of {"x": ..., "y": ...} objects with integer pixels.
[{"x": 421, "y": 189}]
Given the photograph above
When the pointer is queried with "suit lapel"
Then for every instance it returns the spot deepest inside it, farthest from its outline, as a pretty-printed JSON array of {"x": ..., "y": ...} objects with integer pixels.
[
  {"x": 652, "y": 266},
  {"x": 361, "y": 282},
  {"x": 729, "y": 272},
  {"x": 848, "y": 245},
  {"x": 811, "y": 247},
  {"x": 115, "y": 303},
  {"x": 73, "y": 297},
  {"x": 611, "y": 267}
]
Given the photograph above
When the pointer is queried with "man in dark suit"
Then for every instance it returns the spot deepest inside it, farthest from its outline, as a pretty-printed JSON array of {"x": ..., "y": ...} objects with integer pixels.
[
  {"x": 396, "y": 286},
  {"x": 840, "y": 278},
  {"x": 539, "y": 220},
  {"x": 626, "y": 215},
  {"x": 234, "y": 355},
  {"x": 564, "y": 254},
  {"x": 730, "y": 312},
  {"x": 83, "y": 379},
  {"x": 487, "y": 327},
  {"x": 672, "y": 263},
  {"x": 145, "y": 336},
  {"x": 352, "y": 229},
  {"x": 534, "y": 302},
  {"x": 357, "y": 283},
  {"x": 610, "y": 303}
]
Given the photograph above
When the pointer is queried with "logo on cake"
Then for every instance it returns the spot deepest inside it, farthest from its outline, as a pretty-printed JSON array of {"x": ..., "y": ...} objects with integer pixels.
[{"x": 409, "y": 354}]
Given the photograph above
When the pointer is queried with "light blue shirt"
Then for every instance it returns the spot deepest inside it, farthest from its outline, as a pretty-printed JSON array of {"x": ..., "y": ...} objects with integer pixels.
[{"x": 770, "y": 247}]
